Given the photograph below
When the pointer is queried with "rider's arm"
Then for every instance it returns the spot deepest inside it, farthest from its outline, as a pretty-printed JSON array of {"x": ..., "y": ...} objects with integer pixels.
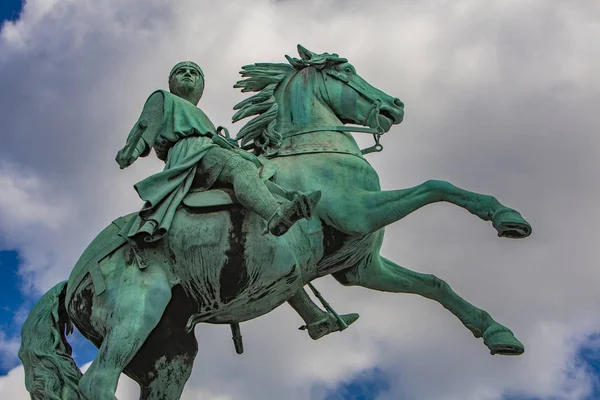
[{"x": 144, "y": 132}]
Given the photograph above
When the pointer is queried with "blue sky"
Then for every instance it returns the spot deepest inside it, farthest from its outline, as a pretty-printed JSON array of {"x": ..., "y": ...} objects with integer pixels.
[
  {"x": 483, "y": 88},
  {"x": 368, "y": 385},
  {"x": 12, "y": 302},
  {"x": 10, "y": 9},
  {"x": 11, "y": 299}
]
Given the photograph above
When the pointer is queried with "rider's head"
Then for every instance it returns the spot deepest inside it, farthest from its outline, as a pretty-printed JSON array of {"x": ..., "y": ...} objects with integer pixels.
[{"x": 186, "y": 80}]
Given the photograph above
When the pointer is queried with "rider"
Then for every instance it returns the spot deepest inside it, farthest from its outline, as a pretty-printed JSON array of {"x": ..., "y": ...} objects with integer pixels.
[{"x": 183, "y": 136}]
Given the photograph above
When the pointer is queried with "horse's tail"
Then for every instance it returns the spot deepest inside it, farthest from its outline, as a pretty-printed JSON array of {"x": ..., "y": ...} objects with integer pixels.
[{"x": 50, "y": 371}]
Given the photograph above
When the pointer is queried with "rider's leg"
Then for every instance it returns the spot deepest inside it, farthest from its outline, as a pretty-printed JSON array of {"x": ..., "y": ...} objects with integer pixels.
[
  {"x": 252, "y": 193},
  {"x": 249, "y": 189},
  {"x": 318, "y": 322},
  {"x": 365, "y": 212}
]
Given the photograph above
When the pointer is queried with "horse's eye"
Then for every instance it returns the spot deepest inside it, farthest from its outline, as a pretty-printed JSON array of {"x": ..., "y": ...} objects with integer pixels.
[{"x": 348, "y": 70}]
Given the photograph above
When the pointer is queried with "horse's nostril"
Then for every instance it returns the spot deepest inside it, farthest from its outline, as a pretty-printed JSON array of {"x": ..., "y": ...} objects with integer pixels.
[{"x": 399, "y": 103}]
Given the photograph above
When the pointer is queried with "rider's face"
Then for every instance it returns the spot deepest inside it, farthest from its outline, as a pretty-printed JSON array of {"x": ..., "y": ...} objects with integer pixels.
[
  {"x": 187, "y": 76},
  {"x": 185, "y": 81}
]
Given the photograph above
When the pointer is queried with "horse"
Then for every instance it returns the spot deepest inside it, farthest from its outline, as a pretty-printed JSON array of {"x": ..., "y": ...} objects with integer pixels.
[{"x": 216, "y": 265}]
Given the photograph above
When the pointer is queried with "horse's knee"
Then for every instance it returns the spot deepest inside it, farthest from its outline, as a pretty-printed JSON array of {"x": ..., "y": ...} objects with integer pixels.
[
  {"x": 438, "y": 188},
  {"x": 436, "y": 284}
]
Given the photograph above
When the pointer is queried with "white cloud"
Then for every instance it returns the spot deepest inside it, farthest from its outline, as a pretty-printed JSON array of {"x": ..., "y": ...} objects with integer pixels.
[
  {"x": 9, "y": 346},
  {"x": 24, "y": 203},
  {"x": 500, "y": 99},
  {"x": 12, "y": 386}
]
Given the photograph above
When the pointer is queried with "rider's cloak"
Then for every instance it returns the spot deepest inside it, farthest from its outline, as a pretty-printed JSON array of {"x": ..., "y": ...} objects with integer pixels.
[{"x": 181, "y": 134}]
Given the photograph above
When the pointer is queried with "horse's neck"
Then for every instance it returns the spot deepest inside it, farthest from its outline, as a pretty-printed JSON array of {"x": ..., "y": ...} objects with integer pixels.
[
  {"x": 306, "y": 112},
  {"x": 318, "y": 155}
]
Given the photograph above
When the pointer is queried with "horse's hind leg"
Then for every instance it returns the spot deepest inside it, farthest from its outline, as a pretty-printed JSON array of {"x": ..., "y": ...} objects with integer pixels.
[
  {"x": 384, "y": 275},
  {"x": 140, "y": 300}
]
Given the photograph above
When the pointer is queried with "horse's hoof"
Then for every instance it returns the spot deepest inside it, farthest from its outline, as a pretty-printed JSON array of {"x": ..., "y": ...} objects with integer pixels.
[
  {"x": 510, "y": 224},
  {"x": 328, "y": 324},
  {"x": 500, "y": 340}
]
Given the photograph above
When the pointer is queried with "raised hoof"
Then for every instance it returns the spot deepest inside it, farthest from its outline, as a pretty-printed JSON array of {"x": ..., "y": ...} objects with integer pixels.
[
  {"x": 329, "y": 324},
  {"x": 510, "y": 224},
  {"x": 501, "y": 341}
]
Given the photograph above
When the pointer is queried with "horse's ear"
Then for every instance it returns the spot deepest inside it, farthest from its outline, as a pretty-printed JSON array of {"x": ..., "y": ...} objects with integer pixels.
[{"x": 304, "y": 53}]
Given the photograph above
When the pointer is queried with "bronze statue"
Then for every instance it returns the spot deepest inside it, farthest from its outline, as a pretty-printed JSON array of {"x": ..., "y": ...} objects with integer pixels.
[{"x": 212, "y": 262}]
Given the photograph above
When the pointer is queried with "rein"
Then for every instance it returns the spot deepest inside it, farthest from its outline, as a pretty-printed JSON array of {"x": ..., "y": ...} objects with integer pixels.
[{"x": 341, "y": 128}]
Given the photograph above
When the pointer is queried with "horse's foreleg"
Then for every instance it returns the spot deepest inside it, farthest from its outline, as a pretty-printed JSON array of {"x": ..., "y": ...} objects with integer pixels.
[
  {"x": 368, "y": 212},
  {"x": 141, "y": 298},
  {"x": 164, "y": 363},
  {"x": 384, "y": 275}
]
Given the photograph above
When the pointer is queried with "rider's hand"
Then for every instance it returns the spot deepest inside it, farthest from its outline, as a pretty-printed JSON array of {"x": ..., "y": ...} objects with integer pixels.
[
  {"x": 123, "y": 160},
  {"x": 125, "y": 157}
]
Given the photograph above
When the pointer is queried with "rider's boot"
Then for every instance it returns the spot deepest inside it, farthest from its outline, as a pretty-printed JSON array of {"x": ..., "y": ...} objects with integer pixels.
[
  {"x": 319, "y": 323},
  {"x": 328, "y": 324},
  {"x": 300, "y": 207}
]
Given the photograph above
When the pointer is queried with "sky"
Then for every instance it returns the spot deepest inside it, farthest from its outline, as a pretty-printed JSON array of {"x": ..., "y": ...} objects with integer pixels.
[{"x": 501, "y": 98}]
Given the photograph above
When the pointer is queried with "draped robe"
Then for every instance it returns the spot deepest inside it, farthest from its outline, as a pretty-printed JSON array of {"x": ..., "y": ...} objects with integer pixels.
[{"x": 181, "y": 135}]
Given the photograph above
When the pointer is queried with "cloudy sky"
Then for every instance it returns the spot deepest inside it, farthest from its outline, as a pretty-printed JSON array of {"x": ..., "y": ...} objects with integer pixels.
[{"x": 501, "y": 97}]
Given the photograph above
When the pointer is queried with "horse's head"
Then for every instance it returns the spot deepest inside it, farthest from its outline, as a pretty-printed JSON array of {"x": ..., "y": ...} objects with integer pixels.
[
  {"x": 310, "y": 93},
  {"x": 349, "y": 96}
]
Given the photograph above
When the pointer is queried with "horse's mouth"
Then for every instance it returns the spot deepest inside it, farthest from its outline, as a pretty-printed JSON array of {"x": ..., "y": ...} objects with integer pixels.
[
  {"x": 386, "y": 120},
  {"x": 388, "y": 115}
]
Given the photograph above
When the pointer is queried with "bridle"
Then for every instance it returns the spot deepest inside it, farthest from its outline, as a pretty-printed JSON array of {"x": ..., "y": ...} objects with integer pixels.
[{"x": 371, "y": 119}]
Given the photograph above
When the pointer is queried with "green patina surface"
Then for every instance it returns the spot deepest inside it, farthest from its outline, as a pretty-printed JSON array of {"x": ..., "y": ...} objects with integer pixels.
[{"x": 236, "y": 254}]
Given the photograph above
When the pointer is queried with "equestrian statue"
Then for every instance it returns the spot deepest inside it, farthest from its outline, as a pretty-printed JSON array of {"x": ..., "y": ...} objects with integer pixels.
[{"x": 233, "y": 228}]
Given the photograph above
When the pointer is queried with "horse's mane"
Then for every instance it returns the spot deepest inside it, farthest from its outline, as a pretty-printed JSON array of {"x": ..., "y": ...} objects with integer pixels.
[{"x": 264, "y": 78}]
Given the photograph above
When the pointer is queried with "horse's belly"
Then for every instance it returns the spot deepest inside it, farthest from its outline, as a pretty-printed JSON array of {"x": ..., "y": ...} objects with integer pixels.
[{"x": 234, "y": 271}]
